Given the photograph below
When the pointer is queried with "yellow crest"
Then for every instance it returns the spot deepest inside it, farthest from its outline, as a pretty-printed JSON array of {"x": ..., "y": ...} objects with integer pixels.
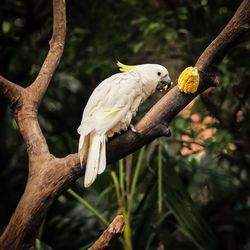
[
  {"x": 124, "y": 68},
  {"x": 188, "y": 80}
]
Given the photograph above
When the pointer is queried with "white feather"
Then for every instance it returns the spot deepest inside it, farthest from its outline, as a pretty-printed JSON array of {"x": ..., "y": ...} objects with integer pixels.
[
  {"x": 93, "y": 160},
  {"x": 102, "y": 157}
]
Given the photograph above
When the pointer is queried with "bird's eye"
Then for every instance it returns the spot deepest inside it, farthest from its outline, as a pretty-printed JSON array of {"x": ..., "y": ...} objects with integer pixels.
[{"x": 158, "y": 73}]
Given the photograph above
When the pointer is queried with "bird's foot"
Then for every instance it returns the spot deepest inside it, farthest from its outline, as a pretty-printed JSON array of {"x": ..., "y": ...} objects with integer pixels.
[{"x": 133, "y": 129}]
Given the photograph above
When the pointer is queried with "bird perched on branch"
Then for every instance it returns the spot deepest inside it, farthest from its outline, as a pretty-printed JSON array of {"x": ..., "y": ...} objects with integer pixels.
[{"x": 111, "y": 107}]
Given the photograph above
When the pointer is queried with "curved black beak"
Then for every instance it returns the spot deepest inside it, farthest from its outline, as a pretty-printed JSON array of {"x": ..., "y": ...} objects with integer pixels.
[{"x": 164, "y": 84}]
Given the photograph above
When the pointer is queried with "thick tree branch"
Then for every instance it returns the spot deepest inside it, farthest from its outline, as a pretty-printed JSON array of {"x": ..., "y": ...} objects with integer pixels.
[
  {"x": 27, "y": 121},
  {"x": 40, "y": 85},
  {"x": 11, "y": 91},
  {"x": 115, "y": 228},
  {"x": 217, "y": 49}
]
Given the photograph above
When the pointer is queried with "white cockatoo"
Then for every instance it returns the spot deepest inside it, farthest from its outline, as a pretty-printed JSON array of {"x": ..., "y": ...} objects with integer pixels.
[{"x": 110, "y": 109}]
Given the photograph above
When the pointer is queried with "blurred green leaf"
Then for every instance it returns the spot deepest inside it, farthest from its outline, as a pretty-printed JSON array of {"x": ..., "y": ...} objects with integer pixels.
[{"x": 42, "y": 246}]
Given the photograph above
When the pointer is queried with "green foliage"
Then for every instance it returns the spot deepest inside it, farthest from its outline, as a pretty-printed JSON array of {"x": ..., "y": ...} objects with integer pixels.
[
  {"x": 42, "y": 246},
  {"x": 88, "y": 206}
]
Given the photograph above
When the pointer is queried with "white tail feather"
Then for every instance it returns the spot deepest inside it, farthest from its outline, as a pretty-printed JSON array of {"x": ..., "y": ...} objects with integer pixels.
[
  {"x": 102, "y": 157},
  {"x": 96, "y": 162},
  {"x": 81, "y": 141},
  {"x": 83, "y": 146}
]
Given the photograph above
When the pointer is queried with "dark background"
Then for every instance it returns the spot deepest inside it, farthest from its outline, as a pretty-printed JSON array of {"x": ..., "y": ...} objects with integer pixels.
[{"x": 206, "y": 159}]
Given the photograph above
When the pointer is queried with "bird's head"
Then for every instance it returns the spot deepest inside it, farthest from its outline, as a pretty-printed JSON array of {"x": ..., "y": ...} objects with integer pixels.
[{"x": 154, "y": 74}]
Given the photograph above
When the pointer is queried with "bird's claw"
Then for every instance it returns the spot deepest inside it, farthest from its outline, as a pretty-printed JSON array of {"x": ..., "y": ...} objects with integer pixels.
[{"x": 133, "y": 129}]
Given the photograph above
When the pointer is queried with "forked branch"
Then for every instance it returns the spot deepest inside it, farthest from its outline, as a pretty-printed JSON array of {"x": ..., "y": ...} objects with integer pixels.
[{"x": 43, "y": 178}]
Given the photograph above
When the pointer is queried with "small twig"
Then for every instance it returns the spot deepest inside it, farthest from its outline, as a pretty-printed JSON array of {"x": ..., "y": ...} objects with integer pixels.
[{"x": 115, "y": 228}]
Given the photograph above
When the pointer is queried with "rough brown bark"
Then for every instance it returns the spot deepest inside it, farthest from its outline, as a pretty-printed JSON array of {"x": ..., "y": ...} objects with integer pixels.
[
  {"x": 10, "y": 90},
  {"x": 115, "y": 228},
  {"x": 49, "y": 176}
]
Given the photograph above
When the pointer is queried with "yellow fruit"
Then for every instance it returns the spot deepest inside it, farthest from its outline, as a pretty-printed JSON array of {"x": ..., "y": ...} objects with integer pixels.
[{"x": 188, "y": 80}]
